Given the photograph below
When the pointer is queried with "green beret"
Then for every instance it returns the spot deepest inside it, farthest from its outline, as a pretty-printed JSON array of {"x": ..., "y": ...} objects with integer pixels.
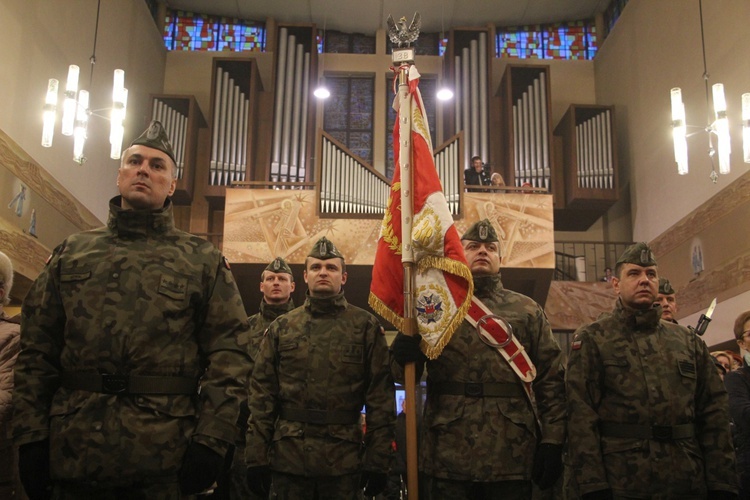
[
  {"x": 665, "y": 288},
  {"x": 481, "y": 231},
  {"x": 279, "y": 265},
  {"x": 638, "y": 253},
  {"x": 155, "y": 137},
  {"x": 324, "y": 249}
]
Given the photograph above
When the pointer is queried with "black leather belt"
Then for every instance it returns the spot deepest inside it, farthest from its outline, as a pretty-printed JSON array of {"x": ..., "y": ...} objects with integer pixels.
[
  {"x": 128, "y": 384},
  {"x": 477, "y": 389},
  {"x": 643, "y": 431},
  {"x": 320, "y": 417}
]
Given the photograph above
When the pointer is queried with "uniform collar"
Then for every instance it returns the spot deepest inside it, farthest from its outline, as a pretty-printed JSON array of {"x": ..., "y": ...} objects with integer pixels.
[
  {"x": 325, "y": 305},
  {"x": 273, "y": 311},
  {"x": 139, "y": 222},
  {"x": 485, "y": 286},
  {"x": 639, "y": 319}
]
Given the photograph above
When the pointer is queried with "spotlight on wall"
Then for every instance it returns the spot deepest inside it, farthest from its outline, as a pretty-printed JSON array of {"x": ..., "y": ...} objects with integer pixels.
[
  {"x": 445, "y": 94},
  {"x": 321, "y": 91}
]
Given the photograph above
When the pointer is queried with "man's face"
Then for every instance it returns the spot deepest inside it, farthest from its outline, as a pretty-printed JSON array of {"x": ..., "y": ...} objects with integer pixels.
[
  {"x": 668, "y": 306},
  {"x": 637, "y": 286},
  {"x": 276, "y": 287},
  {"x": 324, "y": 277},
  {"x": 483, "y": 258},
  {"x": 145, "y": 178},
  {"x": 477, "y": 164}
]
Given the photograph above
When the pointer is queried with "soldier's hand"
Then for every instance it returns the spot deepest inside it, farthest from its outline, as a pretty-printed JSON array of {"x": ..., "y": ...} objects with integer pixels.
[
  {"x": 259, "y": 480},
  {"x": 201, "y": 468},
  {"x": 33, "y": 469},
  {"x": 598, "y": 495},
  {"x": 373, "y": 482},
  {"x": 547, "y": 465},
  {"x": 405, "y": 349}
]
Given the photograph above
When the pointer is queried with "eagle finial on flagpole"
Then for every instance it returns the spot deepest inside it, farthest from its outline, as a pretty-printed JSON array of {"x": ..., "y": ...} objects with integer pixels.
[{"x": 402, "y": 35}]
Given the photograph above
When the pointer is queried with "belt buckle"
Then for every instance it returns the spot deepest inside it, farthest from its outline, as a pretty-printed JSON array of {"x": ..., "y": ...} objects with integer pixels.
[
  {"x": 474, "y": 389},
  {"x": 491, "y": 341},
  {"x": 316, "y": 416},
  {"x": 114, "y": 384},
  {"x": 661, "y": 432}
]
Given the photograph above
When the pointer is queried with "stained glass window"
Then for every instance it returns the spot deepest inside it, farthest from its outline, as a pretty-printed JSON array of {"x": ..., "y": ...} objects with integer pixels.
[
  {"x": 348, "y": 113},
  {"x": 337, "y": 42},
  {"x": 190, "y": 31},
  {"x": 612, "y": 14},
  {"x": 428, "y": 44},
  {"x": 428, "y": 89},
  {"x": 573, "y": 40}
]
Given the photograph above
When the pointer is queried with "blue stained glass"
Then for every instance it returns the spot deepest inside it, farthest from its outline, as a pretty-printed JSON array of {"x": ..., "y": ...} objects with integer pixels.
[
  {"x": 573, "y": 40},
  {"x": 190, "y": 31}
]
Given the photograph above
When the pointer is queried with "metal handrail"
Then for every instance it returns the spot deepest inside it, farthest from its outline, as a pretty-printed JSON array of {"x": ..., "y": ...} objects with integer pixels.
[{"x": 586, "y": 260}]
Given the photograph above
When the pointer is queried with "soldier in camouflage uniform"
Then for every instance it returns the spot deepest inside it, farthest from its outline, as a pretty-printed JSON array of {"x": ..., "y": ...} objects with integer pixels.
[
  {"x": 117, "y": 332},
  {"x": 276, "y": 285},
  {"x": 666, "y": 298},
  {"x": 317, "y": 365},
  {"x": 647, "y": 411},
  {"x": 481, "y": 438}
]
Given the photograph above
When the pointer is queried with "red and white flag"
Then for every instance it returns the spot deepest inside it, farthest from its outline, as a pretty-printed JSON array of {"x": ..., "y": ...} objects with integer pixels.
[{"x": 443, "y": 285}]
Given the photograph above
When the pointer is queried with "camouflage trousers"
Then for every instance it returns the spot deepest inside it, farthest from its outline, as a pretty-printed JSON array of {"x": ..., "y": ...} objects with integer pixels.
[
  {"x": 155, "y": 491},
  {"x": 436, "y": 488},
  {"x": 293, "y": 487}
]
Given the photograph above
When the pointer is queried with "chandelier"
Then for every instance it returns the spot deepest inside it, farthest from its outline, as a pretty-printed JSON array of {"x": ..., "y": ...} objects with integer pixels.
[
  {"x": 76, "y": 111},
  {"x": 718, "y": 123}
]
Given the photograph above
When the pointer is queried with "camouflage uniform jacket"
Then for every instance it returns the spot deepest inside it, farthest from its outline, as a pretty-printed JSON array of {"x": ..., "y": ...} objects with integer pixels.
[
  {"x": 134, "y": 297},
  {"x": 257, "y": 326},
  {"x": 261, "y": 320},
  {"x": 492, "y": 438},
  {"x": 631, "y": 368},
  {"x": 326, "y": 355}
]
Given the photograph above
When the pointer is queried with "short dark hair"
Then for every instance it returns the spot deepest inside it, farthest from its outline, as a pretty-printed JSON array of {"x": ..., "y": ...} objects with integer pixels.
[
  {"x": 739, "y": 324},
  {"x": 475, "y": 157},
  {"x": 618, "y": 268}
]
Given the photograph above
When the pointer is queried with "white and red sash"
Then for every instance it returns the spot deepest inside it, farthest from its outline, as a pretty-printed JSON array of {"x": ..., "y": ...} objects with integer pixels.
[{"x": 480, "y": 317}]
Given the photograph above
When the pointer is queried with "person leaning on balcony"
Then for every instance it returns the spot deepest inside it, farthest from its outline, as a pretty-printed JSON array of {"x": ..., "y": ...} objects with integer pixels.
[
  {"x": 648, "y": 413},
  {"x": 497, "y": 179},
  {"x": 131, "y": 372},
  {"x": 476, "y": 174}
]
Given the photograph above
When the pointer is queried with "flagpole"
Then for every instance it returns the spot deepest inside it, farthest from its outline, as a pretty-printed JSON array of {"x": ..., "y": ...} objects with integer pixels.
[{"x": 407, "y": 259}]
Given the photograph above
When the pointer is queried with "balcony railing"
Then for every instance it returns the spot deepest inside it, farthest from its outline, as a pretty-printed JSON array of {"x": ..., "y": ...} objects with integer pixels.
[{"x": 586, "y": 260}]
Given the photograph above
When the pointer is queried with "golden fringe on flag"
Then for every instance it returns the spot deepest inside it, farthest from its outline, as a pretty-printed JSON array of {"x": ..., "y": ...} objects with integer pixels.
[{"x": 443, "y": 285}]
